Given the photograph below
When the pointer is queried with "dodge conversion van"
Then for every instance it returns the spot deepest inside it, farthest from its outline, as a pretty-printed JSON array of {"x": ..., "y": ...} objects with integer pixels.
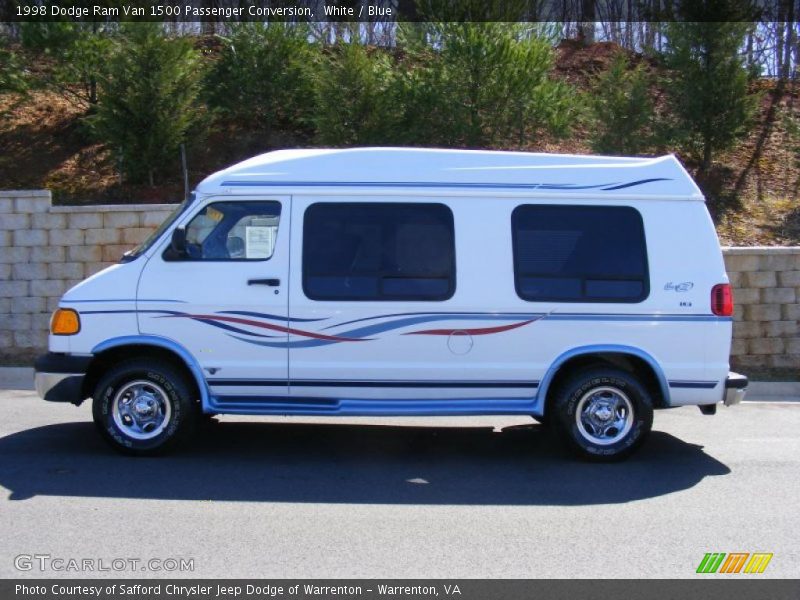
[{"x": 583, "y": 291}]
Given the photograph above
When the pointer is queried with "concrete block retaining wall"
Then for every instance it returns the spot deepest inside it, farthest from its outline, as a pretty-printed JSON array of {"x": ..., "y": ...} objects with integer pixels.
[
  {"x": 46, "y": 249},
  {"x": 766, "y": 327}
]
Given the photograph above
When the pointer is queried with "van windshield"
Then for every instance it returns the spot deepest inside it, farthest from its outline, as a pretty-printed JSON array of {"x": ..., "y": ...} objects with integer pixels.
[{"x": 151, "y": 239}]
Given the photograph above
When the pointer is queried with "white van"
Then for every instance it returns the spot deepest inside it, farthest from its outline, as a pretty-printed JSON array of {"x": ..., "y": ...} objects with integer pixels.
[{"x": 583, "y": 291}]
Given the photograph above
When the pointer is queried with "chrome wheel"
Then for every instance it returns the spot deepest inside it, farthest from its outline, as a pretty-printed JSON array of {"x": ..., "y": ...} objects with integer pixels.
[
  {"x": 604, "y": 415},
  {"x": 141, "y": 409}
]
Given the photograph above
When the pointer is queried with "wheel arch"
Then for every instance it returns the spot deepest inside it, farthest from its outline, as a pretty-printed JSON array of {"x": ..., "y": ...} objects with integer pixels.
[
  {"x": 629, "y": 358},
  {"x": 150, "y": 346}
]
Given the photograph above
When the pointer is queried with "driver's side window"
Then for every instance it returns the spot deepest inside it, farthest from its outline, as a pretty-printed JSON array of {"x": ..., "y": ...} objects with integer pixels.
[{"x": 236, "y": 230}]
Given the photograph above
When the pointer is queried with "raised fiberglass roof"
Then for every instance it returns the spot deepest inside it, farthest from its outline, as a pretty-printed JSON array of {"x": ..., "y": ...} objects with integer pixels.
[{"x": 415, "y": 169}]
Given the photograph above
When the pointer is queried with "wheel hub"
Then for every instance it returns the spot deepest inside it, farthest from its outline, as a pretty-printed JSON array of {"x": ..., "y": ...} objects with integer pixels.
[
  {"x": 141, "y": 409},
  {"x": 602, "y": 412},
  {"x": 604, "y": 415},
  {"x": 145, "y": 405}
]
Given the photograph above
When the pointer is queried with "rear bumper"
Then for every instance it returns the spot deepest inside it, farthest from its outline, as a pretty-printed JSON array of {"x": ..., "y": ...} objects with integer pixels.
[
  {"x": 59, "y": 377},
  {"x": 735, "y": 388}
]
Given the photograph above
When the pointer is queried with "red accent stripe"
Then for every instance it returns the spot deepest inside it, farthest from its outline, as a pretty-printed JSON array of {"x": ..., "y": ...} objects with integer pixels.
[
  {"x": 477, "y": 331},
  {"x": 270, "y": 326}
]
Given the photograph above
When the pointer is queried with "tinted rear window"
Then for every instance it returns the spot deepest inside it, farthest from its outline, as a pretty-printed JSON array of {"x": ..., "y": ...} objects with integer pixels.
[{"x": 579, "y": 253}]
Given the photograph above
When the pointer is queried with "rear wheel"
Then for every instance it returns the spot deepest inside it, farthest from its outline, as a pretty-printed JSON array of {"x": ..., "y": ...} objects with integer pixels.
[
  {"x": 144, "y": 407},
  {"x": 603, "y": 414}
]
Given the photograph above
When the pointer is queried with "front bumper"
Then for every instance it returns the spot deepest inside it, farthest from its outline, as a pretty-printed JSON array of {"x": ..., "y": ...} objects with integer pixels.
[
  {"x": 735, "y": 388},
  {"x": 59, "y": 377}
]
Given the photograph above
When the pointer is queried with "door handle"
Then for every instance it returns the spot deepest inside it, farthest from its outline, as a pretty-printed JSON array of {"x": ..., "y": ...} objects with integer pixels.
[{"x": 270, "y": 282}]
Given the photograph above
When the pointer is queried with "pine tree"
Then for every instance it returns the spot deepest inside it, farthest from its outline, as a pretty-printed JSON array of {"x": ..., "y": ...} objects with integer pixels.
[
  {"x": 707, "y": 88},
  {"x": 622, "y": 109},
  {"x": 148, "y": 101},
  {"x": 478, "y": 84},
  {"x": 13, "y": 76},
  {"x": 354, "y": 97},
  {"x": 80, "y": 51},
  {"x": 263, "y": 76}
]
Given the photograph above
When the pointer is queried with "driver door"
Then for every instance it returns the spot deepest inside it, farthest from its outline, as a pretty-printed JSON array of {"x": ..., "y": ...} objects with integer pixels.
[{"x": 225, "y": 299}]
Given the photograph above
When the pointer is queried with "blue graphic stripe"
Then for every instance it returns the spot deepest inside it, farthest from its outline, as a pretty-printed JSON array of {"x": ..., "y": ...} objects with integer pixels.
[
  {"x": 171, "y": 313},
  {"x": 637, "y": 317},
  {"x": 584, "y": 316},
  {"x": 398, "y": 323},
  {"x": 442, "y": 314},
  {"x": 307, "y": 343},
  {"x": 235, "y": 329},
  {"x": 369, "y": 330},
  {"x": 425, "y": 316},
  {"x": 283, "y": 403},
  {"x": 248, "y": 313},
  {"x": 634, "y": 183},
  {"x": 375, "y": 383},
  {"x": 131, "y": 311},
  {"x": 125, "y": 300},
  {"x": 566, "y": 187},
  {"x": 248, "y": 382}
]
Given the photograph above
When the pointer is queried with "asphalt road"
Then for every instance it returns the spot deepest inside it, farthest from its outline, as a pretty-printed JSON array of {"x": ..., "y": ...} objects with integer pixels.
[{"x": 427, "y": 498}]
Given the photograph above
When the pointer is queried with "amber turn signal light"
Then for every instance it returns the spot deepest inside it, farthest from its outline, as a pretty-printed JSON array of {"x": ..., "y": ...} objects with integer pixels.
[{"x": 65, "y": 321}]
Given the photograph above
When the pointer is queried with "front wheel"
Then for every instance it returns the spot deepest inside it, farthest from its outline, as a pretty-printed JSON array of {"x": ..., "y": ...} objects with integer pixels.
[
  {"x": 143, "y": 407},
  {"x": 542, "y": 420},
  {"x": 603, "y": 414}
]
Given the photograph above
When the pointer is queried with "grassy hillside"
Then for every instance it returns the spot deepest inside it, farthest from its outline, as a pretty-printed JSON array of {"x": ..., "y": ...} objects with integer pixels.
[{"x": 752, "y": 190}]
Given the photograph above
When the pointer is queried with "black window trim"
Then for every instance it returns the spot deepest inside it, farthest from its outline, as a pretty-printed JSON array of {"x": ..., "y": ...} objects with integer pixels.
[
  {"x": 452, "y": 279},
  {"x": 584, "y": 299},
  {"x": 165, "y": 255}
]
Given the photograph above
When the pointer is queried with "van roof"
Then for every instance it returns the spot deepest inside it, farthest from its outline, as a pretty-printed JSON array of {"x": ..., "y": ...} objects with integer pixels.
[{"x": 465, "y": 172}]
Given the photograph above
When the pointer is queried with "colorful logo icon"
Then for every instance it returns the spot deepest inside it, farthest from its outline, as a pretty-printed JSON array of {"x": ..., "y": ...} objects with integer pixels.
[{"x": 736, "y": 562}]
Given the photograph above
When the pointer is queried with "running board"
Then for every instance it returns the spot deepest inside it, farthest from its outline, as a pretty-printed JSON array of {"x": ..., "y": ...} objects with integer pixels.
[{"x": 260, "y": 405}]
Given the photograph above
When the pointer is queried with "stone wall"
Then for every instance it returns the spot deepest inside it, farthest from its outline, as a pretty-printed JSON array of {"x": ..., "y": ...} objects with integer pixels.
[
  {"x": 46, "y": 249},
  {"x": 766, "y": 328}
]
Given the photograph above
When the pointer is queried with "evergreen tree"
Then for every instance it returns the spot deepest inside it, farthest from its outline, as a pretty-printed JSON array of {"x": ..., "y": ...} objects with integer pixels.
[
  {"x": 707, "y": 87},
  {"x": 13, "y": 75},
  {"x": 355, "y": 101},
  {"x": 478, "y": 84},
  {"x": 622, "y": 109},
  {"x": 80, "y": 51},
  {"x": 148, "y": 101},
  {"x": 791, "y": 126},
  {"x": 263, "y": 76}
]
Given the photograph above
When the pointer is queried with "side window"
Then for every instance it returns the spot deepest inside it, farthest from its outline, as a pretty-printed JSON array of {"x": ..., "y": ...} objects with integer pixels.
[
  {"x": 240, "y": 230},
  {"x": 579, "y": 253},
  {"x": 378, "y": 251}
]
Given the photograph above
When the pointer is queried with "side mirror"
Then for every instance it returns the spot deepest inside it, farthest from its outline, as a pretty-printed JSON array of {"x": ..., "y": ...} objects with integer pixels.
[{"x": 178, "y": 245}]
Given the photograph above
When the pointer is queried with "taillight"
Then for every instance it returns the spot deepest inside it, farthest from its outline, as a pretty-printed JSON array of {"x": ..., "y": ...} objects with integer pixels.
[{"x": 722, "y": 300}]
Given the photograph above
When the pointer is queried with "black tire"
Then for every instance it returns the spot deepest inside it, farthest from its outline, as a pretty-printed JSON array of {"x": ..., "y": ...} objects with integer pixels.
[
  {"x": 206, "y": 419},
  {"x": 598, "y": 438},
  {"x": 160, "y": 385},
  {"x": 543, "y": 420}
]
